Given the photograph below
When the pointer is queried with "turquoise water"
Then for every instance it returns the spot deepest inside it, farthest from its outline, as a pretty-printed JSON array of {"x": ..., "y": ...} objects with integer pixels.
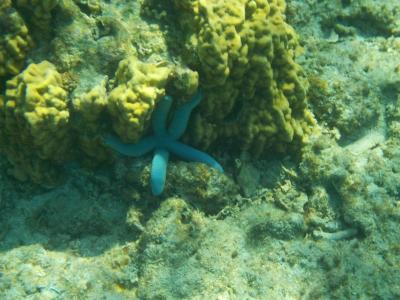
[{"x": 308, "y": 204}]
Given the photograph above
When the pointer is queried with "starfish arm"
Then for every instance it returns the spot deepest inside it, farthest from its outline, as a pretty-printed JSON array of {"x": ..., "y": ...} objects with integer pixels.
[
  {"x": 192, "y": 154},
  {"x": 159, "y": 171},
  {"x": 181, "y": 117},
  {"x": 140, "y": 148},
  {"x": 160, "y": 115}
]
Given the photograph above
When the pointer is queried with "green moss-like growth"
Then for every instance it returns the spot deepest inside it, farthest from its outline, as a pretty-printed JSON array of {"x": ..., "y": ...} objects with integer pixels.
[{"x": 39, "y": 11}]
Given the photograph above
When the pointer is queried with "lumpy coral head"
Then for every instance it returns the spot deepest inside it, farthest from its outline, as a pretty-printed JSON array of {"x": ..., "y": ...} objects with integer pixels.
[
  {"x": 15, "y": 41},
  {"x": 244, "y": 52},
  {"x": 35, "y": 121},
  {"x": 139, "y": 86}
]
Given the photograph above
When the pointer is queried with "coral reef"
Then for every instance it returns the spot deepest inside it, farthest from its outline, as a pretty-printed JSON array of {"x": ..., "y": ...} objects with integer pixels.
[
  {"x": 367, "y": 18},
  {"x": 34, "y": 120},
  {"x": 244, "y": 52},
  {"x": 90, "y": 6},
  {"x": 138, "y": 88},
  {"x": 333, "y": 97},
  {"x": 39, "y": 11},
  {"x": 254, "y": 91},
  {"x": 15, "y": 40},
  {"x": 320, "y": 224},
  {"x": 87, "y": 110}
]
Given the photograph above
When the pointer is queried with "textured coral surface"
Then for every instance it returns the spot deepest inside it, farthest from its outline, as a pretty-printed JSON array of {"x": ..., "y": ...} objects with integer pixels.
[
  {"x": 34, "y": 120},
  {"x": 116, "y": 66},
  {"x": 15, "y": 40},
  {"x": 320, "y": 222},
  {"x": 244, "y": 51}
]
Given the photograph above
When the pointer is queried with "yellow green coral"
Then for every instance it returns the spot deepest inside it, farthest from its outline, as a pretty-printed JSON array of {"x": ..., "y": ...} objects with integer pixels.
[
  {"x": 138, "y": 87},
  {"x": 90, "y": 105},
  {"x": 87, "y": 109},
  {"x": 34, "y": 118},
  {"x": 15, "y": 41},
  {"x": 244, "y": 51}
]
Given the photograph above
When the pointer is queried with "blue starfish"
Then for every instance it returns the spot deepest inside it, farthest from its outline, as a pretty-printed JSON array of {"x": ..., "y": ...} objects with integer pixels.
[{"x": 164, "y": 141}]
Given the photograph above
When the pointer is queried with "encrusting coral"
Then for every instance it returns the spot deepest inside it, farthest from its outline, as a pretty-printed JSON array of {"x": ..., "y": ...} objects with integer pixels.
[
  {"x": 244, "y": 52},
  {"x": 34, "y": 119},
  {"x": 15, "y": 40}
]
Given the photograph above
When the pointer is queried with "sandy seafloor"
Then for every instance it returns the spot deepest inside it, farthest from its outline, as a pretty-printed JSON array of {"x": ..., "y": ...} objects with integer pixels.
[{"x": 324, "y": 227}]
